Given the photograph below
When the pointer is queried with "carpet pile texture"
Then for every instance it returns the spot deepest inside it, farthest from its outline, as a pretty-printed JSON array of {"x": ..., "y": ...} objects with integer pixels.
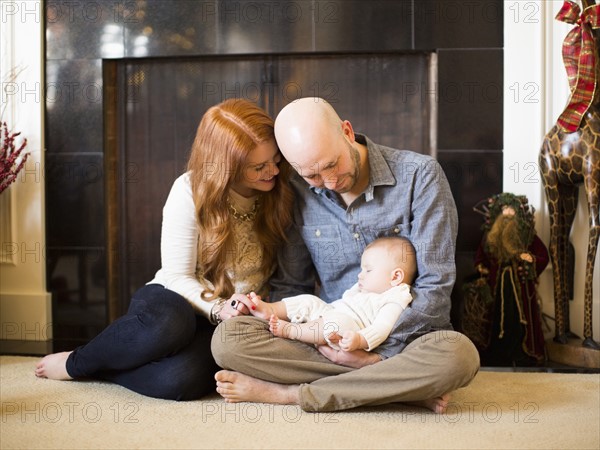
[{"x": 498, "y": 410}]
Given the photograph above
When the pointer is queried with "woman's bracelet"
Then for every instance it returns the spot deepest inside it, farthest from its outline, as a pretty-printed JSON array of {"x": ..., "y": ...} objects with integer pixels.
[{"x": 215, "y": 317}]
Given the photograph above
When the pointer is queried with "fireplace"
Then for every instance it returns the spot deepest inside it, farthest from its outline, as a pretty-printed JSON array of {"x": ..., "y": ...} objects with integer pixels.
[
  {"x": 158, "y": 104},
  {"x": 413, "y": 75}
]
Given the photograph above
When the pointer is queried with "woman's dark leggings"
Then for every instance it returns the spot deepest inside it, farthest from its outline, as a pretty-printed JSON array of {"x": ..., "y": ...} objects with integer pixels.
[{"x": 160, "y": 348}]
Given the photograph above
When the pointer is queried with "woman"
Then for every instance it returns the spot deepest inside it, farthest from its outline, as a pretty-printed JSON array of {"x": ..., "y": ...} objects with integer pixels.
[{"x": 222, "y": 222}]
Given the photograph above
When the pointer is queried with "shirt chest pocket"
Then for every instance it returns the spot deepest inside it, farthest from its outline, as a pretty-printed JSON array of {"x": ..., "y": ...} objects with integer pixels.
[
  {"x": 326, "y": 247},
  {"x": 397, "y": 230}
]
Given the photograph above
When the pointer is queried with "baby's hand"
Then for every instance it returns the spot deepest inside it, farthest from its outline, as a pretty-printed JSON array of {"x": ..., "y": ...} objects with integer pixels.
[
  {"x": 350, "y": 341},
  {"x": 334, "y": 338}
]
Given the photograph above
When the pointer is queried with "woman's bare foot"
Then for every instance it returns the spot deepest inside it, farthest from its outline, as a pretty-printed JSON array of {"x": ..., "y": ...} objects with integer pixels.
[
  {"x": 437, "y": 404},
  {"x": 53, "y": 366},
  {"x": 236, "y": 387}
]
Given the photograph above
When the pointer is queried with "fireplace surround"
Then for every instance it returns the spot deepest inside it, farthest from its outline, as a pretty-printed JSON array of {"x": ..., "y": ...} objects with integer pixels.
[
  {"x": 442, "y": 60},
  {"x": 158, "y": 103}
]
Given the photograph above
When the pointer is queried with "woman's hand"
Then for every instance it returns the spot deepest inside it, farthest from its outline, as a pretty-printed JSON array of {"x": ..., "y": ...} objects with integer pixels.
[
  {"x": 237, "y": 305},
  {"x": 240, "y": 304}
]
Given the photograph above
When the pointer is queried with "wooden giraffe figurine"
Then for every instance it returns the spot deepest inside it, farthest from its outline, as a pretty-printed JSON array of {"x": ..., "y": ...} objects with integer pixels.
[{"x": 568, "y": 160}]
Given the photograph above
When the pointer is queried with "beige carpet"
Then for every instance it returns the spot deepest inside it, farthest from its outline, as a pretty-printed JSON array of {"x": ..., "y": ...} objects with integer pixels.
[{"x": 498, "y": 410}]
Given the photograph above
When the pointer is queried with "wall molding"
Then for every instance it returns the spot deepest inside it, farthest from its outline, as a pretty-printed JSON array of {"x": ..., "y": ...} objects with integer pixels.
[
  {"x": 535, "y": 92},
  {"x": 7, "y": 114},
  {"x": 7, "y": 257},
  {"x": 24, "y": 301}
]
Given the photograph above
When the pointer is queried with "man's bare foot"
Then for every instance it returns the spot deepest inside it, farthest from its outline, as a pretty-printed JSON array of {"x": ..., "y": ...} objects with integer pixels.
[
  {"x": 236, "y": 387},
  {"x": 438, "y": 404},
  {"x": 53, "y": 366}
]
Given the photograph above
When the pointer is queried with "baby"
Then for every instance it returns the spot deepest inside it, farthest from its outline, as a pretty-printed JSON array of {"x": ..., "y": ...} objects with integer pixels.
[{"x": 364, "y": 316}]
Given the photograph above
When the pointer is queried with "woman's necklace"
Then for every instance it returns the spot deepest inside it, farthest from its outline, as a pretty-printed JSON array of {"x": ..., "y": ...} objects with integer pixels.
[{"x": 246, "y": 217}]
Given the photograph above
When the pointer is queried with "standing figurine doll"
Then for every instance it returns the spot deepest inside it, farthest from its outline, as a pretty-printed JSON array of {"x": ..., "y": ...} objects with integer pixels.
[{"x": 511, "y": 257}]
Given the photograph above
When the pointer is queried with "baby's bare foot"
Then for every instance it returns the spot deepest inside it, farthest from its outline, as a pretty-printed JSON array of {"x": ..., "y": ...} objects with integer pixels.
[
  {"x": 283, "y": 328},
  {"x": 53, "y": 366}
]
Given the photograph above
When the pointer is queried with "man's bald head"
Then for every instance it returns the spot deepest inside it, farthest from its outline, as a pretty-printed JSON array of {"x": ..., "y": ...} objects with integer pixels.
[
  {"x": 320, "y": 146},
  {"x": 306, "y": 124}
]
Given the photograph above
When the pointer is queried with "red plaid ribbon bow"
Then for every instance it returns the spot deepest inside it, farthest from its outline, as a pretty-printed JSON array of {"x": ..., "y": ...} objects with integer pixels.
[{"x": 580, "y": 61}]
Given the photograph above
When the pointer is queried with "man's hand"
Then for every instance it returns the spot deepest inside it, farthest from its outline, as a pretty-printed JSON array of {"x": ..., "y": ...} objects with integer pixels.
[{"x": 355, "y": 359}]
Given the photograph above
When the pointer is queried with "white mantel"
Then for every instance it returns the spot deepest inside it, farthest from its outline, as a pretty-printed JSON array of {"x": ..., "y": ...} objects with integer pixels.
[{"x": 25, "y": 305}]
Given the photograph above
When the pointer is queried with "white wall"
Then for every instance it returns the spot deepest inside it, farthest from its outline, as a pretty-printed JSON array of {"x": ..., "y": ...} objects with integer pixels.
[
  {"x": 536, "y": 91},
  {"x": 25, "y": 306}
]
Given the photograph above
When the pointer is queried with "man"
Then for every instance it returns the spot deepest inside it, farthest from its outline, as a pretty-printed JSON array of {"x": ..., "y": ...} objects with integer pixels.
[{"x": 349, "y": 191}]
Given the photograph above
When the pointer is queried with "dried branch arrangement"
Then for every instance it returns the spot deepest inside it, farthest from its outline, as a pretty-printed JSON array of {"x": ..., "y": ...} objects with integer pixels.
[{"x": 12, "y": 158}]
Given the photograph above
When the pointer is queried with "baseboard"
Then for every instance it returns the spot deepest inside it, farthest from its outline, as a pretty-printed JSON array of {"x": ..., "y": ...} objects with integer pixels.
[
  {"x": 25, "y": 348},
  {"x": 573, "y": 354}
]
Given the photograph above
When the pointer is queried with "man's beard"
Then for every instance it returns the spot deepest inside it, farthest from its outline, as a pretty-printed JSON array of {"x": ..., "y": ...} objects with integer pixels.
[
  {"x": 351, "y": 178},
  {"x": 503, "y": 240}
]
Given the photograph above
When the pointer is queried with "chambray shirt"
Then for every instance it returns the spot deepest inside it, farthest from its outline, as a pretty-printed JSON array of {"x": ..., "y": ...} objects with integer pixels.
[{"x": 408, "y": 195}]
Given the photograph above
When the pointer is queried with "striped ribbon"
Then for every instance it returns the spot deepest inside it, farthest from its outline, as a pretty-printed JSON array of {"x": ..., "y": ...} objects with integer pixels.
[{"x": 579, "y": 57}]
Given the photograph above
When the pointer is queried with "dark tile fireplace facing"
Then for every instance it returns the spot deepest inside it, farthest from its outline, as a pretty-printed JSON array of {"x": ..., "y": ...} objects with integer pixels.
[{"x": 86, "y": 42}]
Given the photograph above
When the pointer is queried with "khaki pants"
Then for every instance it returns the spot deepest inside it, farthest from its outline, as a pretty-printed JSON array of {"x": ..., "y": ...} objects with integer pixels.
[{"x": 432, "y": 365}]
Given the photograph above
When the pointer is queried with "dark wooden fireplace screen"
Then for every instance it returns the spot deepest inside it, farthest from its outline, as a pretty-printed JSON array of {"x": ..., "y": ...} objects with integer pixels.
[{"x": 152, "y": 108}]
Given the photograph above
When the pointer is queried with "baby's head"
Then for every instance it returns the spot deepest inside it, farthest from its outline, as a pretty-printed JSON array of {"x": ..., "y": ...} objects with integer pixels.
[{"x": 385, "y": 263}]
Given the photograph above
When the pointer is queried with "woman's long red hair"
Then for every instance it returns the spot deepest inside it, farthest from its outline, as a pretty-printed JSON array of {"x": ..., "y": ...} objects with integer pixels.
[{"x": 227, "y": 133}]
